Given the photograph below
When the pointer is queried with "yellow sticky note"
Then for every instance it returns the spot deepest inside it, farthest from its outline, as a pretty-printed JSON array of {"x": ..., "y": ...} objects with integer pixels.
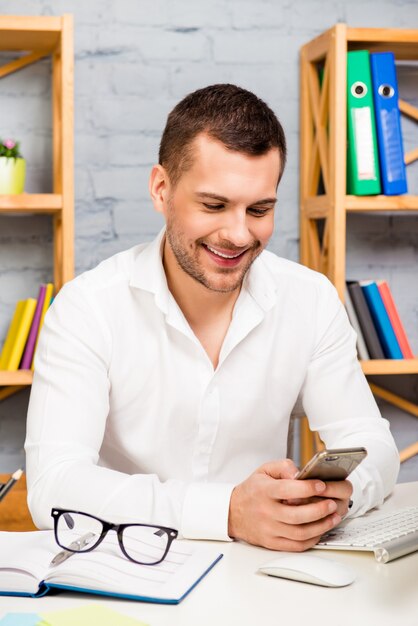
[{"x": 88, "y": 615}]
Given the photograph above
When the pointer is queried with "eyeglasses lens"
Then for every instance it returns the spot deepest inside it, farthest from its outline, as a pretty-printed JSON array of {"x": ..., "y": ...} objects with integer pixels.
[
  {"x": 77, "y": 531},
  {"x": 144, "y": 544}
]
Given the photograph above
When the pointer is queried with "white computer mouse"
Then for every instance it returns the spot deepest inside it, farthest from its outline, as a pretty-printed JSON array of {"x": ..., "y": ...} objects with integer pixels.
[{"x": 308, "y": 568}]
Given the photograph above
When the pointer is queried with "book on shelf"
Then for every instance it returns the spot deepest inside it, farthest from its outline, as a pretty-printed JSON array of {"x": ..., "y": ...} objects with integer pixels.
[
  {"x": 388, "y": 123},
  {"x": 33, "y": 332},
  {"x": 11, "y": 335},
  {"x": 395, "y": 319},
  {"x": 381, "y": 320},
  {"x": 375, "y": 317},
  {"x": 363, "y": 175},
  {"x": 375, "y": 152},
  {"x": 49, "y": 293},
  {"x": 17, "y": 335},
  {"x": 23, "y": 334},
  {"x": 365, "y": 320},
  {"x": 26, "y": 570},
  {"x": 362, "y": 351}
]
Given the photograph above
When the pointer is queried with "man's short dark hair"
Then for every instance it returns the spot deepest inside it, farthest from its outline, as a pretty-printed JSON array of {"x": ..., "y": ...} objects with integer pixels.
[{"x": 232, "y": 115}]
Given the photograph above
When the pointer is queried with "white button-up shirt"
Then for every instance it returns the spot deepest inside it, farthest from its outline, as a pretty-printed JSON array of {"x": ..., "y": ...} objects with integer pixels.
[{"x": 128, "y": 419}]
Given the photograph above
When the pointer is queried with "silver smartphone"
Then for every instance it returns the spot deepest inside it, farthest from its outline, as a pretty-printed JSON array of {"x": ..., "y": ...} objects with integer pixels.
[{"x": 332, "y": 464}]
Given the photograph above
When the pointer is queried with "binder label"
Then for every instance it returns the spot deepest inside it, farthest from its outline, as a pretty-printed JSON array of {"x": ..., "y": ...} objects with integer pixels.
[
  {"x": 362, "y": 125},
  {"x": 392, "y": 145}
]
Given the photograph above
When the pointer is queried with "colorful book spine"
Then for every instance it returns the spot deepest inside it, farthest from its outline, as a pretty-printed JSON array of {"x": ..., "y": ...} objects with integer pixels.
[
  {"x": 33, "y": 333},
  {"x": 11, "y": 335},
  {"x": 381, "y": 320},
  {"x": 388, "y": 123},
  {"x": 49, "y": 292},
  {"x": 22, "y": 334},
  {"x": 363, "y": 176},
  {"x": 362, "y": 351},
  {"x": 393, "y": 314},
  {"x": 365, "y": 320}
]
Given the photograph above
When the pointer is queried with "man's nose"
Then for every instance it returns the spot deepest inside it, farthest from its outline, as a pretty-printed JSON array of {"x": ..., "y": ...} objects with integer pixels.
[{"x": 235, "y": 229}]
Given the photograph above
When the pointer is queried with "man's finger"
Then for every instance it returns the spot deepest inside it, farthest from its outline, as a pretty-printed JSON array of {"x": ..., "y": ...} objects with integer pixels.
[
  {"x": 288, "y": 545},
  {"x": 304, "y": 532},
  {"x": 305, "y": 513},
  {"x": 280, "y": 469},
  {"x": 294, "y": 489},
  {"x": 338, "y": 489}
]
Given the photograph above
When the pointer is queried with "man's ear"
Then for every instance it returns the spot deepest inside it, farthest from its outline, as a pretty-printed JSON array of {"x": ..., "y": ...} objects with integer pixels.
[{"x": 159, "y": 188}]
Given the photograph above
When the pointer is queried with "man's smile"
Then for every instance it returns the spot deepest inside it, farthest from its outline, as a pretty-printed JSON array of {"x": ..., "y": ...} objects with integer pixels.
[
  {"x": 224, "y": 254},
  {"x": 223, "y": 257}
]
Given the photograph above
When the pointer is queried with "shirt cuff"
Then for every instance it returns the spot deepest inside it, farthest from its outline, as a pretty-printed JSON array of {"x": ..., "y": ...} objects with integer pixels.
[
  {"x": 356, "y": 497},
  {"x": 206, "y": 511}
]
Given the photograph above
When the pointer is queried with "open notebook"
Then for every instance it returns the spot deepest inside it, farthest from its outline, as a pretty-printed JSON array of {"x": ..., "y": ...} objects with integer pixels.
[{"x": 25, "y": 569}]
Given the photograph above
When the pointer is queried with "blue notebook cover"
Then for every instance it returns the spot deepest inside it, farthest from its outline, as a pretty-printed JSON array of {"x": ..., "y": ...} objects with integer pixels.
[
  {"x": 111, "y": 574},
  {"x": 388, "y": 123},
  {"x": 381, "y": 320},
  {"x": 45, "y": 588}
]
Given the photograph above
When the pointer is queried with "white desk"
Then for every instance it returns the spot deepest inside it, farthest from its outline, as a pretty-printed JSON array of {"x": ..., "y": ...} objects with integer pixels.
[{"x": 233, "y": 594}]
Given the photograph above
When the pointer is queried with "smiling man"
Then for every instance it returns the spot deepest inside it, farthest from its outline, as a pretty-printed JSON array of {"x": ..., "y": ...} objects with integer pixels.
[{"x": 166, "y": 377}]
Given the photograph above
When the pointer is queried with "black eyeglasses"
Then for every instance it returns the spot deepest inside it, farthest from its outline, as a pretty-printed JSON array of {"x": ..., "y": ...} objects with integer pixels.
[{"x": 141, "y": 543}]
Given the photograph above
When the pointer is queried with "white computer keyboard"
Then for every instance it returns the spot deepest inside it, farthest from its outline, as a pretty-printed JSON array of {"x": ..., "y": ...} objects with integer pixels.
[{"x": 389, "y": 535}]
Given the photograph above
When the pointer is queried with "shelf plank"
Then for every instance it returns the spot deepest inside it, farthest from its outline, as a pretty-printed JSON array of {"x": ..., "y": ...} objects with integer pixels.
[
  {"x": 383, "y": 35},
  {"x": 317, "y": 207},
  {"x": 34, "y": 33},
  {"x": 390, "y": 366},
  {"x": 381, "y": 203},
  {"x": 18, "y": 377},
  {"x": 402, "y": 42},
  {"x": 31, "y": 203}
]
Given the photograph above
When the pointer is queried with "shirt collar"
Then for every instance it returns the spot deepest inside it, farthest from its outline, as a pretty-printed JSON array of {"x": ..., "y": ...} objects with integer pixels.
[
  {"x": 260, "y": 283},
  {"x": 148, "y": 274}
]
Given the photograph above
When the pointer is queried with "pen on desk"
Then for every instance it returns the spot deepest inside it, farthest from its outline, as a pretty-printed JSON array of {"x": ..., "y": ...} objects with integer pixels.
[
  {"x": 75, "y": 545},
  {"x": 4, "y": 489}
]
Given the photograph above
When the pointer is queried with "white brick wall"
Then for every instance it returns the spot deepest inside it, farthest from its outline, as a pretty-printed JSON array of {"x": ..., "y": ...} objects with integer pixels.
[{"x": 134, "y": 60}]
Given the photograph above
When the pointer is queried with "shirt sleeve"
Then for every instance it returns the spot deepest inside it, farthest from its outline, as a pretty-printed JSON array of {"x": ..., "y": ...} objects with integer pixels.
[
  {"x": 68, "y": 411},
  {"x": 340, "y": 406}
]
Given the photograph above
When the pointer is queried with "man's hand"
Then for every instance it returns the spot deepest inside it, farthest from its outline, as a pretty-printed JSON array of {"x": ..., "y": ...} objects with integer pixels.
[{"x": 262, "y": 509}]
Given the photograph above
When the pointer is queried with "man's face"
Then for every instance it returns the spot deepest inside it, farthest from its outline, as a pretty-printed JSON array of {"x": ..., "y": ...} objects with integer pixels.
[{"x": 220, "y": 215}]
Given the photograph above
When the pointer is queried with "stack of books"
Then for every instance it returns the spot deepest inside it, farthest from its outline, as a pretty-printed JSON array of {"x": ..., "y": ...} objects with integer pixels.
[
  {"x": 22, "y": 336},
  {"x": 375, "y": 156},
  {"x": 374, "y": 316}
]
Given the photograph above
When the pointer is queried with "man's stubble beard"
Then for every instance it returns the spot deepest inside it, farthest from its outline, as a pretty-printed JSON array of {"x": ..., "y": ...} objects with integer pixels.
[{"x": 189, "y": 261}]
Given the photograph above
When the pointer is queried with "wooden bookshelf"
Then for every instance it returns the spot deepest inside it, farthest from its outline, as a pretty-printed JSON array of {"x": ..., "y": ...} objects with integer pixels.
[
  {"x": 367, "y": 204},
  {"x": 318, "y": 207},
  {"x": 31, "y": 203},
  {"x": 323, "y": 137},
  {"x": 19, "y": 377},
  {"x": 38, "y": 37},
  {"x": 34, "y": 38},
  {"x": 377, "y": 367}
]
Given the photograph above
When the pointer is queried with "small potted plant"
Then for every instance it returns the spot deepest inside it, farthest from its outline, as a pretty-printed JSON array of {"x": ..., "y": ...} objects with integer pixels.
[{"x": 12, "y": 167}]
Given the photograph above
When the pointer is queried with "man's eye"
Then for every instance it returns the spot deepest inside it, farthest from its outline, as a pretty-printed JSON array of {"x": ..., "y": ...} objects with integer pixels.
[
  {"x": 258, "y": 212},
  {"x": 213, "y": 207}
]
